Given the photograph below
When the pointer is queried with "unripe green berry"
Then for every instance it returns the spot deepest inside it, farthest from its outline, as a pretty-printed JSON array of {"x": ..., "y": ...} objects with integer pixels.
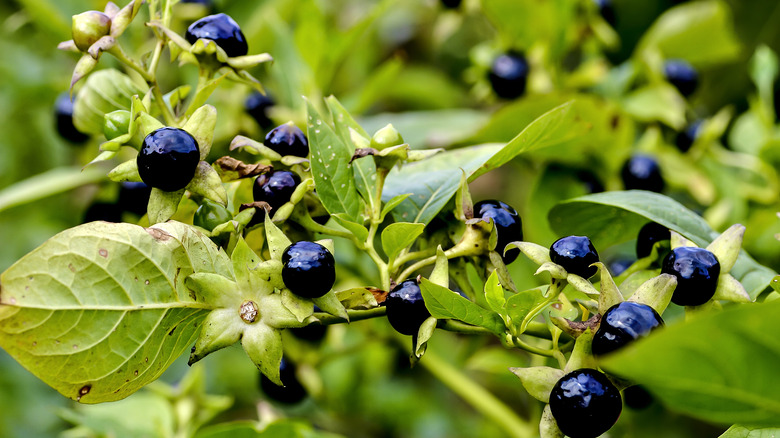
[
  {"x": 116, "y": 123},
  {"x": 386, "y": 137},
  {"x": 88, "y": 27}
]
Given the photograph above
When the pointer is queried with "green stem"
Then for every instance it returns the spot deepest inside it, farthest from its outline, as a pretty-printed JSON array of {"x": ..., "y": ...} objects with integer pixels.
[
  {"x": 384, "y": 273},
  {"x": 416, "y": 255},
  {"x": 303, "y": 219},
  {"x": 354, "y": 315},
  {"x": 477, "y": 396},
  {"x": 552, "y": 293},
  {"x": 455, "y": 251},
  {"x": 150, "y": 79},
  {"x": 517, "y": 342}
]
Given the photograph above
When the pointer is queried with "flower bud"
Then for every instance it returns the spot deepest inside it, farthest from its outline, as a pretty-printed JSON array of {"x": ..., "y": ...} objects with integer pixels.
[
  {"x": 116, "y": 123},
  {"x": 386, "y": 137},
  {"x": 88, "y": 27}
]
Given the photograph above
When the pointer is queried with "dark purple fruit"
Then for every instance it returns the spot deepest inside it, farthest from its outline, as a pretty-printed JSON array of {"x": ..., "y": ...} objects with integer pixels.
[
  {"x": 648, "y": 236},
  {"x": 606, "y": 10},
  {"x": 451, "y": 4},
  {"x": 256, "y": 105},
  {"x": 312, "y": 332},
  {"x": 575, "y": 254},
  {"x": 642, "y": 172},
  {"x": 309, "y": 269},
  {"x": 637, "y": 398},
  {"x": 221, "y": 29},
  {"x": 682, "y": 75},
  {"x": 287, "y": 139},
  {"x": 292, "y": 392},
  {"x": 63, "y": 114},
  {"x": 406, "y": 309},
  {"x": 103, "y": 211},
  {"x": 623, "y": 323},
  {"x": 509, "y": 226},
  {"x": 697, "y": 271},
  {"x": 275, "y": 188},
  {"x": 168, "y": 159},
  {"x": 585, "y": 403},
  {"x": 509, "y": 75},
  {"x": 134, "y": 197},
  {"x": 685, "y": 138}
]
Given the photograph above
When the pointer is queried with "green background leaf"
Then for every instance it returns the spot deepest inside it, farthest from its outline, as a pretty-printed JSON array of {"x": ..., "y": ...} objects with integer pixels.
[
  {"x": 444, "y": 303},
  {"x": 720, "y": 367}
]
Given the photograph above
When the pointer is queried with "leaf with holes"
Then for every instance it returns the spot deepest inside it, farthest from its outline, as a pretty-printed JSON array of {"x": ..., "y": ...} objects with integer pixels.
[{"x": 100, "y": 310}]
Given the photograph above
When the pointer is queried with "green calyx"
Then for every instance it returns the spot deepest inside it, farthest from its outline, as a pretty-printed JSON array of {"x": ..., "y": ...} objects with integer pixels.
[
  {"x": 116, "y": 123},
  {"x": 386, "y": 137}
]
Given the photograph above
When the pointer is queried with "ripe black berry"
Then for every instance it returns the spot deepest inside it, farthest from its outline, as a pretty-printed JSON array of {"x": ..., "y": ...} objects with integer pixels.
[
  {"x": 134, "y": 197},
  {"x": 292, "y": 392},
  {"x": 508, "y": 75},
  {"x": 685, "y": 138},
  {"x": 275, "y": 188},
  {"x": 451, "y": 4},
  {"x": 575, "y": 254},
  {"x": 637, "y": 397},
  {"x": 103, "y": 211},
  {"x": 406, "y": 309},
  {"x": 309, "y": 269},
  {"x": 607, "y": 10},
  {"x": 509, "y": 226},
  {"x": 697, "y": 272},
  {"x": 168, "y": 159},
  {"x": 585, "y": 403},
  {"x": 221, "y": 29},
  {"x": 63, "y": 113},
  {"x": 682, "y": 75},
  {"x": 256, "y": 105},
  {"x": 648, "y": 236},
  {"x": 618, "y": 266},
  {"x": 312, "y": 332},
  {"x": 642, "y": 172},
  {"x": 288, "y": 139},
  {"x": 623, "y": 323}
]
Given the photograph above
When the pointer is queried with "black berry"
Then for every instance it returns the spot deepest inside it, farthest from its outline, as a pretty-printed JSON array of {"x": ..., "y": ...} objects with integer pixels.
[
  {"x": 451, "y": 4},
  {"x": 63, "y": 113},
  {"x": 134, "y": 197},
  {"x": 636, "y": 397},
  {"x": 309, "y": 269},
  {"x": 256, "y": 105},
  {"x": 575, "y": 254},
  {"x": 292, "y": 392},
  {"x": 682, "y": 75},
  {"x": 221, "y": 29},
  {"x": 623, "y": 323},
  {"x": 618, "y": 266},
  {"x": 697, "y": 271},
  {"x": 606, "y": 10},
  {"x": 509, "y": 75},
  {"x": 103, "y": 211},
  {"x": 685, "y": 138},
  {"x": 648, "y": 236},
  {"x": 642, "y": 172},
  {"x": 275, "y": 188},
  {"x": 585, "y": 403},
  {"x": 312, "y": 332},
  {"x": 168, "y": 159},
  {"x": 509, "y": 226},
  {"x": 406, "y": 309},
  {"x": 287, "y": 139}
]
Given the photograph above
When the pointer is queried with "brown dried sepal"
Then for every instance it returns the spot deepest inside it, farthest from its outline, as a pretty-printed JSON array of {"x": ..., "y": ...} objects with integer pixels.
[
  {"x": 363, "y": 152},
  {"x": 231, "y": 169},
  {"x": 379, "y": 295}
]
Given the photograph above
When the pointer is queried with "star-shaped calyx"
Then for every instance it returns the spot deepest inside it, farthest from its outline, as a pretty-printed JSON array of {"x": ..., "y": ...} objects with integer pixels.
[
  {"x": 253, "y": 305},
  {"x": 206, "y": 182}
]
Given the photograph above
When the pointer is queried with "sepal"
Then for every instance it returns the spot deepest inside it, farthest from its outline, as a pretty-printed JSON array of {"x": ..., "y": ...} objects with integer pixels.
[
  {"x": 220, "y": 329},
  {"x": 538, "y": 381}
]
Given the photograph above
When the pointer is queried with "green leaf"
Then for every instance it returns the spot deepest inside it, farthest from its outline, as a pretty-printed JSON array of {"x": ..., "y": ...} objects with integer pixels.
[
  {"x": 357, "y": 298},
  {"x": 113, "y": 292},
  {"x": 357, "y": 230},
  {"x": 557, "y": 126},
  {"x": 719, "y": 367},
  {"x": 430, "y": 128},
  {"x": 163, "y": 205},
  {"x": 52, "y": 182},
  {"x": 330, "y": 304},
  {"x": 660, "y": 102},
  {"x": 494, "y": 294},
  {"x": 331, "y": 168},
  {"x": 521, "y": 304},
  {"x": 398, "y": 236},
  {"x": 737, "y": 431},
  {"x": 699, "y": 32},
  {"x": 441, "y": 269},
  {"x": 432, "y": 182},
  {"x": 613, "y": 217},
  {"x": 115, "y": 419},
  {"x": 391, "y": 204},
  {"x": 446, "y": 304}
]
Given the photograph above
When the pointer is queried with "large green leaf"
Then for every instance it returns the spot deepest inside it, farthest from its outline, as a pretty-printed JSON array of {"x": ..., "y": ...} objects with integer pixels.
[
  {"x": 100, "y": 310},
  {"x": 444, "y": 303},
  {"x": 330, "y": 166},
  {"x": 720, "y": 367},
  {"x": 737, "y": 431},
  {"x": 613, "y": 217}
]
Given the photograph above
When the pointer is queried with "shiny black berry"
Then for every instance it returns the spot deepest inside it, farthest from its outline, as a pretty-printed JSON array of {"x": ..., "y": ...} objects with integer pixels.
[
  {"x": 585, "y": 403},
  {"x": 685, "y": 138},
  {"x": 103, "y": 211},
  {"x": 509, "y": 226},
  {"x": 275, "y": 188},
  {"x": 309, "y": 269},
  {"x": 312, "y": 332},
  {"x": 406, "y": 309},
  {"x": 575, "y": 254},
  {"x": 682, "y": 75},
  {"x": 509, "y": 75},
  {"x": 642, "y": 172},
  {"x": 451, "y": 4},
  {"x": 636, "y": 397},
  {"x": 288, "y": 139},
  {"x": 256, "y": 105},
  {"x": 168, "y": 159},
  {"x": 63, "y": 113},
  {"x": 697, "y": 271},
  {"x": 606, "y": 10},
  {"x": 623, "y": 323},
  {"x": 221, "y": 29},
  {"x": 292, "y": 392},
  {"x": 648, "y": 236},
  {"x": 134, "y": 197}
]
